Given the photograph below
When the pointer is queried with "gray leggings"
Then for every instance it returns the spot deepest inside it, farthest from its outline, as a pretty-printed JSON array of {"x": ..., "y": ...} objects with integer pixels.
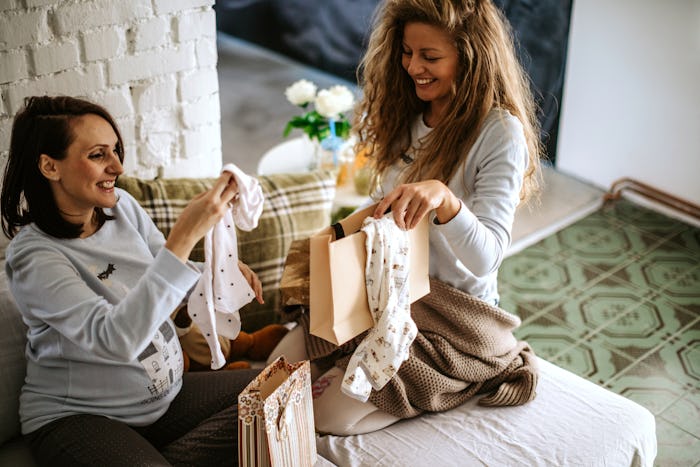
[{"x": 199, "y": 428}]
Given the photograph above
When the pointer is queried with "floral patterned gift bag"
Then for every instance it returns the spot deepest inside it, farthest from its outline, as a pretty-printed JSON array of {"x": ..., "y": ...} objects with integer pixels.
[{"x": 275, "y": 417}]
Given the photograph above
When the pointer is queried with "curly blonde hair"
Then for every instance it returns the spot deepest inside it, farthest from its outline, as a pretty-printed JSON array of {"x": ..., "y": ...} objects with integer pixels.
[{"x": 489, "y": 76}]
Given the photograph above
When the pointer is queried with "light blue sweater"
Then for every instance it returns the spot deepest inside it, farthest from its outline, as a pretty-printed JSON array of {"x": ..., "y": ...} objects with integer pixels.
[
  {"x": 467, "y": 251},
  {"x": 100, "y": 339}
]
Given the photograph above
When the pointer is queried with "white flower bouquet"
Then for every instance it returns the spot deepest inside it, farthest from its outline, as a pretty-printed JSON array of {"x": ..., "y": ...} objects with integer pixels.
[{"x": 327, "y": 122}]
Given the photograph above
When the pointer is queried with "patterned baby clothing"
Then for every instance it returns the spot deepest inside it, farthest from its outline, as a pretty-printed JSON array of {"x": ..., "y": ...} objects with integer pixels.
[
  {"x": 222, "y": 289},
  {"x": 380, "y": 354}
]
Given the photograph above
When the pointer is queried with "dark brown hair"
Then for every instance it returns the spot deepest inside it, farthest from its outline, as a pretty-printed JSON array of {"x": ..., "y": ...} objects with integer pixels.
[{"x": 43, "y": 126}]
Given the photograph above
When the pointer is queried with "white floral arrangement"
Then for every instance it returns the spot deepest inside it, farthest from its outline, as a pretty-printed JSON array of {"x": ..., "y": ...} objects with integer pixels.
[{"x": 327, "y": 122}]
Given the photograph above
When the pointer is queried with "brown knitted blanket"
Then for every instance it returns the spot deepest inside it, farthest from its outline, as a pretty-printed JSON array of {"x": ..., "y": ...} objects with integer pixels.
[{"x": 464, "y": 347}]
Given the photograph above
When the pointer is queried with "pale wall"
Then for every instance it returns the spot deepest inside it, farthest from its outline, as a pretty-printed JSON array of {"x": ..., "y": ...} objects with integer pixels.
[{"x": 631, "y": 104}]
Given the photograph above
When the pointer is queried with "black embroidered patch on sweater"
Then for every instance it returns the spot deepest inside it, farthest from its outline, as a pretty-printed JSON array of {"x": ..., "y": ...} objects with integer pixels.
[{"x": 106, "y": 273}]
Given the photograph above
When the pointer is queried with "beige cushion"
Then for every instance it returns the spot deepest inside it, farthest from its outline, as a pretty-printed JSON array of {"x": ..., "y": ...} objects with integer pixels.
[{"x": 296, "y": 205}]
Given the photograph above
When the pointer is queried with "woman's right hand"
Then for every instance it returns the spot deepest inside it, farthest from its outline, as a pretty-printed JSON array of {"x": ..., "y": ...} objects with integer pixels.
[
  {"x": 200, "y": 215},
  {"x": 411, "y": 202}
]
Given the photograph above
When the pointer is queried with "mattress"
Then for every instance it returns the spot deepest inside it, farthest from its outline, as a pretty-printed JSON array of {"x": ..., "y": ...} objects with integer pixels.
[{"x": 571, "y": 422}]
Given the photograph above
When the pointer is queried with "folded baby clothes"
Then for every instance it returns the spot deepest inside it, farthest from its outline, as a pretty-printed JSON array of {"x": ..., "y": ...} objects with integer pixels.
[
  {"x": 386, "y": 346},
  {"x": 222, "y": 289}
]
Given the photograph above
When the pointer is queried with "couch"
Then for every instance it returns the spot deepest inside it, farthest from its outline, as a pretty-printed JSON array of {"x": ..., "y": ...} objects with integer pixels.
[{"x": 571, "y": 421}]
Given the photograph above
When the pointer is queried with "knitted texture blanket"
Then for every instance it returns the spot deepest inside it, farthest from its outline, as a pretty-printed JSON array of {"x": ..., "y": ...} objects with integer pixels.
[{"x": 464, "y": 347}]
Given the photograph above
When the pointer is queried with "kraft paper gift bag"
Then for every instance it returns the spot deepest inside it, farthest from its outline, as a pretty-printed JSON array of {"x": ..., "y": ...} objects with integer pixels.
[
  {"x": 338, "y": 307},
  {"x": 275, "y": 417}
]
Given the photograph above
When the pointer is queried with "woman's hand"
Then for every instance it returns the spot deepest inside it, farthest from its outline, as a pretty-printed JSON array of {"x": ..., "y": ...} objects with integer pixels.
[
  {"x": 412, "y": 201},
  {"x": 200, "y": 215},
  {"x": 253, "y": 280}
]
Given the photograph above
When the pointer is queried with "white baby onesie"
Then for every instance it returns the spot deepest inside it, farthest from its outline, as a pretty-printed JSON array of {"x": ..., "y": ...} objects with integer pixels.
[
  {"x": 386, "y": 346},
  {"x": 222, "y": 289}
]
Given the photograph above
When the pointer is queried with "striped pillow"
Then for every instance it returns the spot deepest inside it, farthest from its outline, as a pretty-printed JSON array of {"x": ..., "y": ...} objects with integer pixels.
[{"x": 296, "y": 205}]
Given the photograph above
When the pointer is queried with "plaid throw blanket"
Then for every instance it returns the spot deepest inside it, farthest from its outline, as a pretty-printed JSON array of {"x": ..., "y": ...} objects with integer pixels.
[
  {"x": 465, "y": 347},
  {"x": 296, "y": 206}
]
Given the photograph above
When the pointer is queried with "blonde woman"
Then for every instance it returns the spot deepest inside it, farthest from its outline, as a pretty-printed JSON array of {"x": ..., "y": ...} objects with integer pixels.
[
  {"x": 449, "y": 118},
  {"x": 448, "y": 112}
]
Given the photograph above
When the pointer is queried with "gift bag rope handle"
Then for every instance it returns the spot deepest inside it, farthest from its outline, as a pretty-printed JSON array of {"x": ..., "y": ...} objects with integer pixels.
[{"x": 282, "y": 414}]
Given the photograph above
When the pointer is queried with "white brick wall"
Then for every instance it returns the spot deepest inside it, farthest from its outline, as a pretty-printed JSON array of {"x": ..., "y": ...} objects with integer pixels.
[
  {"x": 19, "y": 28},
  {"x": 9, "y": 5},
  {"x": 103, "y": 44},
  {"x": 152, "y": 63},
  {"x": 154, "y": 93},
  {"x": 55, "y": 57},
  {"x": 14, "y": 66},
  {"x": 153, "y": 33}
]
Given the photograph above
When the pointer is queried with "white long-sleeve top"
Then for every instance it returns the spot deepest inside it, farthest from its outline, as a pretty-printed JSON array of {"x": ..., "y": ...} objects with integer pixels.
[
  {"x": 467, "y": 251},
  {"x": 100, "y": 338}
]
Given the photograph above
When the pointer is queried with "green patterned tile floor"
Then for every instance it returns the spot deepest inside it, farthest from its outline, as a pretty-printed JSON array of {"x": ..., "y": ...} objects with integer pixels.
[{"x": 615, "y": 298}]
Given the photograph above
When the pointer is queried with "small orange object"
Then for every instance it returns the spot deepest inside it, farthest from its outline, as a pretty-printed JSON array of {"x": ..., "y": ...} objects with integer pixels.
[
  {"x": 362, "y": 172},
  {"x": 344, "y": 175},
  {"x": 238, "y": 365},
  {"x": 361, "y": 159}
]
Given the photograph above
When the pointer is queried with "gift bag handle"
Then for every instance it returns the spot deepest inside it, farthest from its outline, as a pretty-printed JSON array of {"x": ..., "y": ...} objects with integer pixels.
[
  {"x": 340, "y": 231},
  {"x": 282, "y": 423}
]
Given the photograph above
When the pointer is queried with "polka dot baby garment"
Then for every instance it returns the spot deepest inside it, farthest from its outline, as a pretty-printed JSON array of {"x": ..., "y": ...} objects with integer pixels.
[{"x": 222, "y": 290}]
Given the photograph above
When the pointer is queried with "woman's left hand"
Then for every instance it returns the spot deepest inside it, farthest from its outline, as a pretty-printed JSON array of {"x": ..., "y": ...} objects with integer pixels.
[
  {"x": 253, "y": 280},
  {"x": 410, "y": 202}
]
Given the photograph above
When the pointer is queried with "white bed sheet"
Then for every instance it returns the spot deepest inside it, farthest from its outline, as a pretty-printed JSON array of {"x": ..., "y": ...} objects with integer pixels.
[{"x": 571, "y": 422}]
